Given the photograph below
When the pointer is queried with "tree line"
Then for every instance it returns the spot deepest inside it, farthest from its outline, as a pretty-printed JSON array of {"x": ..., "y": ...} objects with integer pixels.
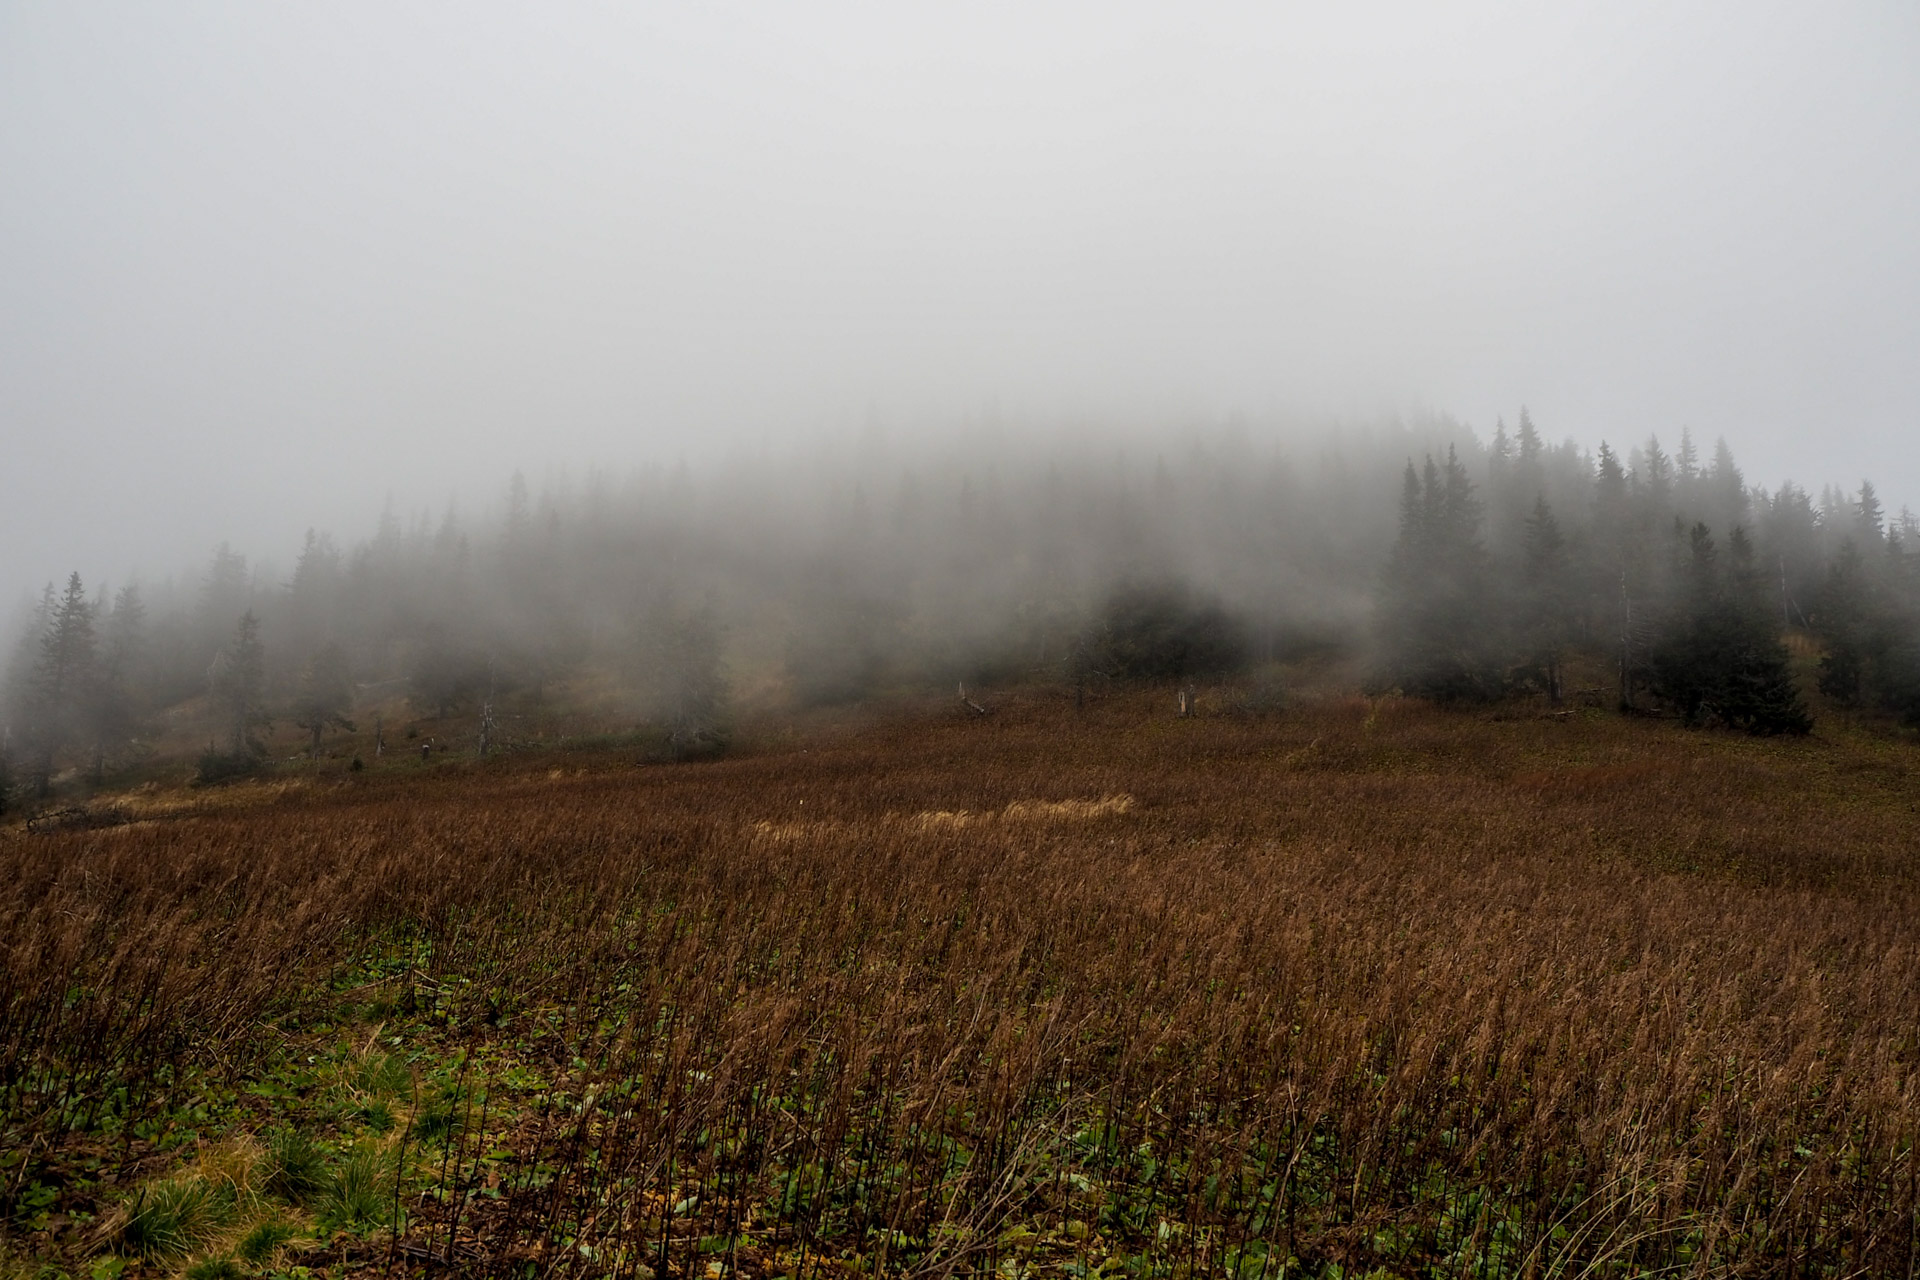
[
  {"x": 1468, "y": 569},
  {"x": 1681, "y": 577}
]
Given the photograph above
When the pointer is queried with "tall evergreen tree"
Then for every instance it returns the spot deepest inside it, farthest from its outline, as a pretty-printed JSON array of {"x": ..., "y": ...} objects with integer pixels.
[
  {"x": 1617, "y": 580},
  {"x": 62, "y": 691},
  {"x": 324, "y": 696},
  {"x": 22, "y": 663},
  {"x": 1499, "y": 454},
  {"x": 238, "y": 679},
  {"x": 1790, "y": 533},
  {"x": 1869, "y": 623},
  {"x": 1437, "y": 601},
  {"x": 1546, "y": 609},
  {"x": 1659, "y": 479},
  {"x": 224, "y": 595},
  {"x": 1841, "y": 618},
  {"x": 1686, "y": 463},
  {"x": 1609, "y": 489},
  {"x": 1726, "y": 486},
  {"x": 313, "y": 597},
  {"x": 1869, "y": 519},
  {"x": 1718, "y": 658},
  {"x": 1529, "y": 469},
  {"x": 115, "y": 711}
]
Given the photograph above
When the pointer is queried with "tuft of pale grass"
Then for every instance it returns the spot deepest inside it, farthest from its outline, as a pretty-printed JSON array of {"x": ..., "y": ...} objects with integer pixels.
[
  {"x": 1067, "y": 810},
  {"x": 943, "y": 819},
  {"x": 1035, "y": 811}
]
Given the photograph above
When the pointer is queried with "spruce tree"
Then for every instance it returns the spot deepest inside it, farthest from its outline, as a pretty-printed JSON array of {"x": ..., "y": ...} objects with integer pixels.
[
  {"x": 1546, "y": 596},
  {"x": 1609, "y": 490},
  {"x": 1659, "y": 481},
  {"x": 1439, "y": 636},
  {"x": 238, "y": 685},
  {"x": 224, "y": 595},
  {"x": 1687, "y": 473},
  {"x": 1718, "y": 657},
  {"x": 115, "y": 711},
  {"x": 1868, "y": 620},
  {"x": 1761, "y": 696},
  {"x": 22, "y": 664},
  {"x": 1840, "y": 618},
  {"x": 1727, "y": 487},
  {"x": 1869, "y": 518},
  {"x": 62, "y": 687},
  {"x": 324, "y": 696}
]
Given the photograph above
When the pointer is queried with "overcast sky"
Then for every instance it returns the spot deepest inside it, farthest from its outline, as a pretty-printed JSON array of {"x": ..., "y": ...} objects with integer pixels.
[{"x": 261, "y": 265}]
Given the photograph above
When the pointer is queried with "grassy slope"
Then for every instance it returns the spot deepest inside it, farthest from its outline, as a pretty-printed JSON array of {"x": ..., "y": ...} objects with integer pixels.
[{"x": 1362, "y": 985}]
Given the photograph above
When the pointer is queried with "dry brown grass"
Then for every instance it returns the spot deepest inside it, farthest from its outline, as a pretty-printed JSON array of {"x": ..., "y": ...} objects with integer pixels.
[{"x": 1368, "y": 983}]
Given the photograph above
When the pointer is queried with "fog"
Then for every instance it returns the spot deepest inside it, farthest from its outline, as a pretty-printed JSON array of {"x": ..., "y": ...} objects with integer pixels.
[{"x": 268, "y": 268}]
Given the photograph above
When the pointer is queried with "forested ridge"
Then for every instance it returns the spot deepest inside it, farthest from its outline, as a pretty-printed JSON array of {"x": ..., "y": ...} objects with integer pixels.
[
  {"x": 1205, "y": 934},
  {"x": 1442, "y": 565}
]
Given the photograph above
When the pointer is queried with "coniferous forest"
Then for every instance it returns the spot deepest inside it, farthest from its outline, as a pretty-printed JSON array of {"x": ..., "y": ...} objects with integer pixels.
[{"x": 1430, "y": 561}]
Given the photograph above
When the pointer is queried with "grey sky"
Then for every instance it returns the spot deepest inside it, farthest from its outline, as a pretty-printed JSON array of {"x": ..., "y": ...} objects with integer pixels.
[{"x": 261, "y": 265}]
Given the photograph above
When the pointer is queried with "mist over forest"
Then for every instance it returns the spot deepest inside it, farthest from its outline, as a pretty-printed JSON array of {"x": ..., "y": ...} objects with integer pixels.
[
  {"x": 847, "y": 640},
  {"x": 1413, "y": 557}
]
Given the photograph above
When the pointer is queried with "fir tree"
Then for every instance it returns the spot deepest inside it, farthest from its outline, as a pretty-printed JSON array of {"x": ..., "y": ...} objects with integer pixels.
[
  {"x": 22, "y": 663},
  {"x": 1546, "y": 608},
  {"x": 116, "y": 701},
  {"x": 324, "y": 696},
  {"x": 1869, "y": 520},
  {"x": 1529, "y": 470},
  {"x": 1687, "y": 461},
  {"x": 62, "y": 687},
  {"x": 1718, "y": 658},
  {"x": 1659, "y": 478},
  {"x": 1436, "y": 605},
  {"x": 1727, "y": 485},
  {"x": 1841, "y": 620},
  {"x": 224, "y": 595},
  {"x": 238, "y": 680},
  {"x": 1868, "y": 622}
]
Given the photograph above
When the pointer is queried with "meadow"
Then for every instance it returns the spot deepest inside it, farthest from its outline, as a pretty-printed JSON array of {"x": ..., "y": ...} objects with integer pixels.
[{"x": 1361, "y": 987}]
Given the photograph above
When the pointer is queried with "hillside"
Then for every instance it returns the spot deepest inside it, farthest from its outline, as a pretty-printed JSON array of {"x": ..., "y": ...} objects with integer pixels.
[{"x": 1363, "y": 986}]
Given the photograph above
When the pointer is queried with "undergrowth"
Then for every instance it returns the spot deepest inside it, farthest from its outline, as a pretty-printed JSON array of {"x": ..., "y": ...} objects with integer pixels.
[{"x": 1361, "y": 989}]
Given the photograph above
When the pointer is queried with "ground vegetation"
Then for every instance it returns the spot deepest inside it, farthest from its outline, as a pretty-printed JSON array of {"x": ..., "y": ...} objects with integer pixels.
[{"x": 1369, "y": 987}]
